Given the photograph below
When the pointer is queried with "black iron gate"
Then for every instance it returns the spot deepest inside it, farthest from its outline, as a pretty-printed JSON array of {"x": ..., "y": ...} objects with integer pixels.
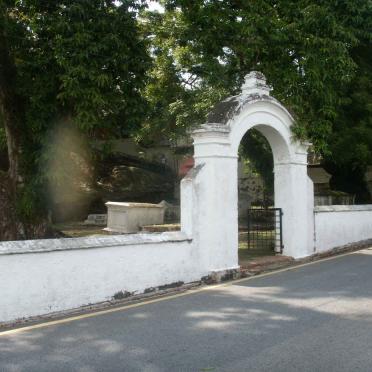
[{"x": 265, "y": 229}]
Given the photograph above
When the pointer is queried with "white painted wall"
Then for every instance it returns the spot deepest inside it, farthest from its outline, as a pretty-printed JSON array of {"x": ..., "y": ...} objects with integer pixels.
[
  {"x": 43, "y": 276},
  {"x": 339, "y": 225}
]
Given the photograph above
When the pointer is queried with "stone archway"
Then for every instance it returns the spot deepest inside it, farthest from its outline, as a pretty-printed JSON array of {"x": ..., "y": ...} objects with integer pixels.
[{"x": 215, "y": 189}]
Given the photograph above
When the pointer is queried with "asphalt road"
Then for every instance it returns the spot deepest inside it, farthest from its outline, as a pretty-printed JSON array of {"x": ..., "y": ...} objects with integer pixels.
[{"x": 314, "y": 318}]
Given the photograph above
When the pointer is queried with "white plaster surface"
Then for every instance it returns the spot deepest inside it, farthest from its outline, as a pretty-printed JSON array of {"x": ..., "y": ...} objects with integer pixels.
[
  {"x": 216, "y": 203},
  {"x": 339, "y": 225},
  {"x": 50, "y": 245},
  {"x": 36, "y": 280}
]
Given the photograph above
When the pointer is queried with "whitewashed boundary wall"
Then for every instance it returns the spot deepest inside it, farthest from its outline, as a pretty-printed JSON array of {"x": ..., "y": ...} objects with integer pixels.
[
  {"x": 339, "y": 225},
  {"x": 38, "y": 277},
  {"x": 42, "y": 276}
]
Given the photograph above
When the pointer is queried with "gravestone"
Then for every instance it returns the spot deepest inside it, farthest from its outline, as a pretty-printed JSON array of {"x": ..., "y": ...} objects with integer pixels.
[{"x": 96, "y": 220}]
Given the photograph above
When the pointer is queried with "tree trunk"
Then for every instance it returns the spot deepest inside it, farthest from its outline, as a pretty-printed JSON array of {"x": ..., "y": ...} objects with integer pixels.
[
  {"x": 11, "y": 110},
  {"x": 9, "y": 228},
  {"x": 11, "y": 117},
  {"x": 12, "y": 140}
]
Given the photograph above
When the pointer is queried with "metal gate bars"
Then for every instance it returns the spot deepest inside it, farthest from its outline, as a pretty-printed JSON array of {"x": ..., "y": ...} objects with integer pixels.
[{"x": 265, "y": 229}]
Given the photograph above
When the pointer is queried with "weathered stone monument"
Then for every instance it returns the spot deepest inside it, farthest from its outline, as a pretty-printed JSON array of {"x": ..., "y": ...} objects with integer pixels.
[
  {"x": 130, "y": 217},
  {"x": 96, "y": 220}
]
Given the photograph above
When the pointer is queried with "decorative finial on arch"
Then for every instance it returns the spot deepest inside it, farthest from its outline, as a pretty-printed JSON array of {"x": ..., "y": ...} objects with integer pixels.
[{"x": 255, "y": 83}]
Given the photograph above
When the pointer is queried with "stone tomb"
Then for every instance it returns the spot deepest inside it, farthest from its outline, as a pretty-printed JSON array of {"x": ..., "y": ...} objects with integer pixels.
[
  {"x": 128, "y": 218},
  {"x": 96, "y": 220}
]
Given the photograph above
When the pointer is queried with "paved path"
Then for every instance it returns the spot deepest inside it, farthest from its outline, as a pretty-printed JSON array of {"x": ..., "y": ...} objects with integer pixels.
[{"x": 313, "y": 318}]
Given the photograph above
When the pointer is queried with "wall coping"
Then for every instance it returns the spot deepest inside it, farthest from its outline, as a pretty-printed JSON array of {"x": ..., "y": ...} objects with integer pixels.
[
  {"x": 67, "y": 244},
  {"x": 342, "y": 208},
  {"x": 119, "y": 205}
]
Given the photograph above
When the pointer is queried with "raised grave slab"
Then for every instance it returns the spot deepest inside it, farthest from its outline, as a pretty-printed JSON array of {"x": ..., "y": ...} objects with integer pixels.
[
  {"x": 128, "y": 218},
  {"x": 96, "y": 220}
]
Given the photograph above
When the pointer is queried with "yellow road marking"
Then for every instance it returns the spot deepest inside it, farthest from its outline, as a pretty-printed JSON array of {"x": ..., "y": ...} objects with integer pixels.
[{"x": 165, "y": 298}]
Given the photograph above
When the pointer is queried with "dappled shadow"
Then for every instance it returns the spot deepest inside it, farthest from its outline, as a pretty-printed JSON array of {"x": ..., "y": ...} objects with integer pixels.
[{"x": 317, "y": 317}]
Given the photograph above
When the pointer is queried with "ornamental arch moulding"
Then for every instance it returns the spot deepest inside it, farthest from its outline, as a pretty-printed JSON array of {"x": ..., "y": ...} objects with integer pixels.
[{"x": 214, "y": 217}]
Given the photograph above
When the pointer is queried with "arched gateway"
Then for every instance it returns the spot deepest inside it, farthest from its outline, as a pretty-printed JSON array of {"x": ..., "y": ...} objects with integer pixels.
[{"x": 211, "y": 188}]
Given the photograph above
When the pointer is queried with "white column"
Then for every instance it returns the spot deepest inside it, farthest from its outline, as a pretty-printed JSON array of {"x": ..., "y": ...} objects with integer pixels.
[
  {"x": 293, "y": 194},
  {"x": 215, "y": 204},
  {"x": 187, "y": 204}
]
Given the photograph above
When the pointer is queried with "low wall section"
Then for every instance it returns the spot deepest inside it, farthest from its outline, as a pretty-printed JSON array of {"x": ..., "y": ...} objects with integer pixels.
[
  {"x": 339, "y": 225},
  {"x": 43, "y": 276}
]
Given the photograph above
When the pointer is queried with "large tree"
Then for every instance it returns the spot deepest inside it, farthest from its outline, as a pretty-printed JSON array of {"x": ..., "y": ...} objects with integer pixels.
[
  {"x": 350, "y": 142},
  {"x": 307, "y": 49},
  {"x": 76, "y": 63}
]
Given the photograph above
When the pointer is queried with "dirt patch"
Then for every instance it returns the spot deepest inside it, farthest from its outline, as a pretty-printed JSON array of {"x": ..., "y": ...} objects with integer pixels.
[
  {"x": 78, "y": 229},
  {"x": 161, "y": 228}
]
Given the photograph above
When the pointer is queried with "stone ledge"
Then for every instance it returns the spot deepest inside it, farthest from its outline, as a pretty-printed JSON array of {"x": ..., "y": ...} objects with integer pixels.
[
  {"x": 343, "y": 208},
  {"x": 125, "y": 205},
  {"x": 53, "y": 245}
]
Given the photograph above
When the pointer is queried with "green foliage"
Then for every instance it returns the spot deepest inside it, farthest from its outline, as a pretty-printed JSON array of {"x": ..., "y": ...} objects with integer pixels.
[
  {"x": 78, "y": 62},
  {"x": 307, "y": 49},
  {"x": 83, "y": 60},
  {"x": 353, "y": 129},
  {"x": 178, "y": 98},
  {"x": 111, "y": 68},
  {"x": 351, "y": 138},
  {"x": 255, "y": 147},
  {"x": 303, "y": 47},
  {"x": 30, "y": 203}
]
